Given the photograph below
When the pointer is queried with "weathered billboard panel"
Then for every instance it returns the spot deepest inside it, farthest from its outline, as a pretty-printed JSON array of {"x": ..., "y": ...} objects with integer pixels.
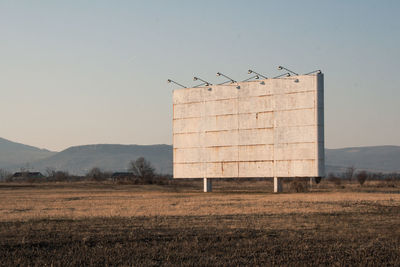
[{"x": 263, "y": 128}]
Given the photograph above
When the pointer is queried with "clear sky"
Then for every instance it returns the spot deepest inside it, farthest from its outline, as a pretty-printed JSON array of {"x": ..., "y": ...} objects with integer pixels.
[{"x": 87, "y": 72}]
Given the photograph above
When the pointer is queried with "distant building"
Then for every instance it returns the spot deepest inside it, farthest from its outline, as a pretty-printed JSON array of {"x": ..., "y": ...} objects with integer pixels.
[{"x": 25, "y": 175}]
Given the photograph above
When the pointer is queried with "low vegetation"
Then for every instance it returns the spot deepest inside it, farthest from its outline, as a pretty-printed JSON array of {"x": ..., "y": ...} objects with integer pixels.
[
  {"x": 141, "y": 218},
  {"x": 214, "y": 240},
  {"x": 240, "y": 223},
  {"x": 362, "y": 177}
]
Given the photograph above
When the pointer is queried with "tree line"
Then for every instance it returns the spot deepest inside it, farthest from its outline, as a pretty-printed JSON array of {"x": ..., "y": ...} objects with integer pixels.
[
  {"x": 139, "y": 171},
  {"x": 361, "y": 176}
]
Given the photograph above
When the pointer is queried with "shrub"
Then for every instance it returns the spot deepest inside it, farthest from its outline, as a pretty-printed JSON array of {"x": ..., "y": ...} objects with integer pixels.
[
  {"x": 335, "y": 180},
  {"x": 298, "y": 186},
  {"x": 61, "y": 176},
  {"x": 389, "y": 182},
  {"x": 96, "y": 174},
  {"x": 362, "y": 177}
]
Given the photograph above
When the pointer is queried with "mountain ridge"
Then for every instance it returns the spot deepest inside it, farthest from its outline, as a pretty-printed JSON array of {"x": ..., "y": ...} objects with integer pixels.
[
  {"x": 116, "y": 157},
  {"x": 108, "y": 157},
  {"x": 12, "y": 153}
]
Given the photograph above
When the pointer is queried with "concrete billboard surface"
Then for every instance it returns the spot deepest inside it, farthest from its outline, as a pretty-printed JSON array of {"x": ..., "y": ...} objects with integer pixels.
[{"x": 261, "y": 128}]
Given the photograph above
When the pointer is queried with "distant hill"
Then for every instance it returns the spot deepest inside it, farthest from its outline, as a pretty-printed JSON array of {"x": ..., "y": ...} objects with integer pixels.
[
  {"x": 372, "y": 158},
  {"x": 19, "y": 155},
  {"x": 80, "y": 159}
]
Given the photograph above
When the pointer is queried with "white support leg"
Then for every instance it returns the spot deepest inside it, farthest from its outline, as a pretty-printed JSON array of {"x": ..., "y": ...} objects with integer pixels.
[
  {"x": 311, "y": 181},
  {"x": 277, "y": 185},
  {"x": 207, "y": 185}
]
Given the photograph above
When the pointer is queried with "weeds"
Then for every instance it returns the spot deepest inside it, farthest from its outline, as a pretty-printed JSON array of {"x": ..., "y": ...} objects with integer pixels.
[
  {"x": 259, "y": 239},
  {"x": 174, "y": 224},
  {"x": 298, "y": 186}
]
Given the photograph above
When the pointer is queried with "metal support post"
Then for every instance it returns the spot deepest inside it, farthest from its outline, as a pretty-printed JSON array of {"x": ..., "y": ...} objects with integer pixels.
[
  {"x": 207, "y": 185},
  {"x": 277, "y": 185}
]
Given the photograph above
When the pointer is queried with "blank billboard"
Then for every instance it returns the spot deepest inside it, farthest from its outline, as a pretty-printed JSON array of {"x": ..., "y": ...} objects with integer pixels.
[{"x": 262, "y": 128}]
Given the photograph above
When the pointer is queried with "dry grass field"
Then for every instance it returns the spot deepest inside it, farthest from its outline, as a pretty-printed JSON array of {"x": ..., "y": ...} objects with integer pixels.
[{"x": 240, "y": 223}]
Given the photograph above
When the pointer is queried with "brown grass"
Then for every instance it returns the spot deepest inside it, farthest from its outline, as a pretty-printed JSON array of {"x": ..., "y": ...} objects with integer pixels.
[{"x": 241, "y": 223}]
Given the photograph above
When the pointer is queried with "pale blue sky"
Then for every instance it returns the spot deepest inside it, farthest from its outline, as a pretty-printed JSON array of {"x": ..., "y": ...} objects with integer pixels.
[{"x": 86, "y": 72}]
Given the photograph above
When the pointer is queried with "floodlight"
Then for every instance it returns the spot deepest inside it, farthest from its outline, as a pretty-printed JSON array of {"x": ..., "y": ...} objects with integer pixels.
[
  {"x": 252, "y": 77},
  {"x": 315, "y": 71},
  {"x": 171, "y": 81},
  {"x": 205, "y": 82},
  {"x": 220, "y": 74},
  {"x": 283, "y": 68},
  {"x": 257, "y": 74},
  {"x": 285, "y": 74}
]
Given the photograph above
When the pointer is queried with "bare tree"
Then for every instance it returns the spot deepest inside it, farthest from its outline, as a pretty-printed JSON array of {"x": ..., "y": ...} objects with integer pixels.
[
  {"x": 96, "y": 174},
  {"x": 141, "y": 168},
  {"x": 54, "y": 175},
  {"x": 349, "y": 173},
  {"x": 4, "y": 174},
  {"x": 50, "y": 172},
  {"x": 27, "y": 168}
]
